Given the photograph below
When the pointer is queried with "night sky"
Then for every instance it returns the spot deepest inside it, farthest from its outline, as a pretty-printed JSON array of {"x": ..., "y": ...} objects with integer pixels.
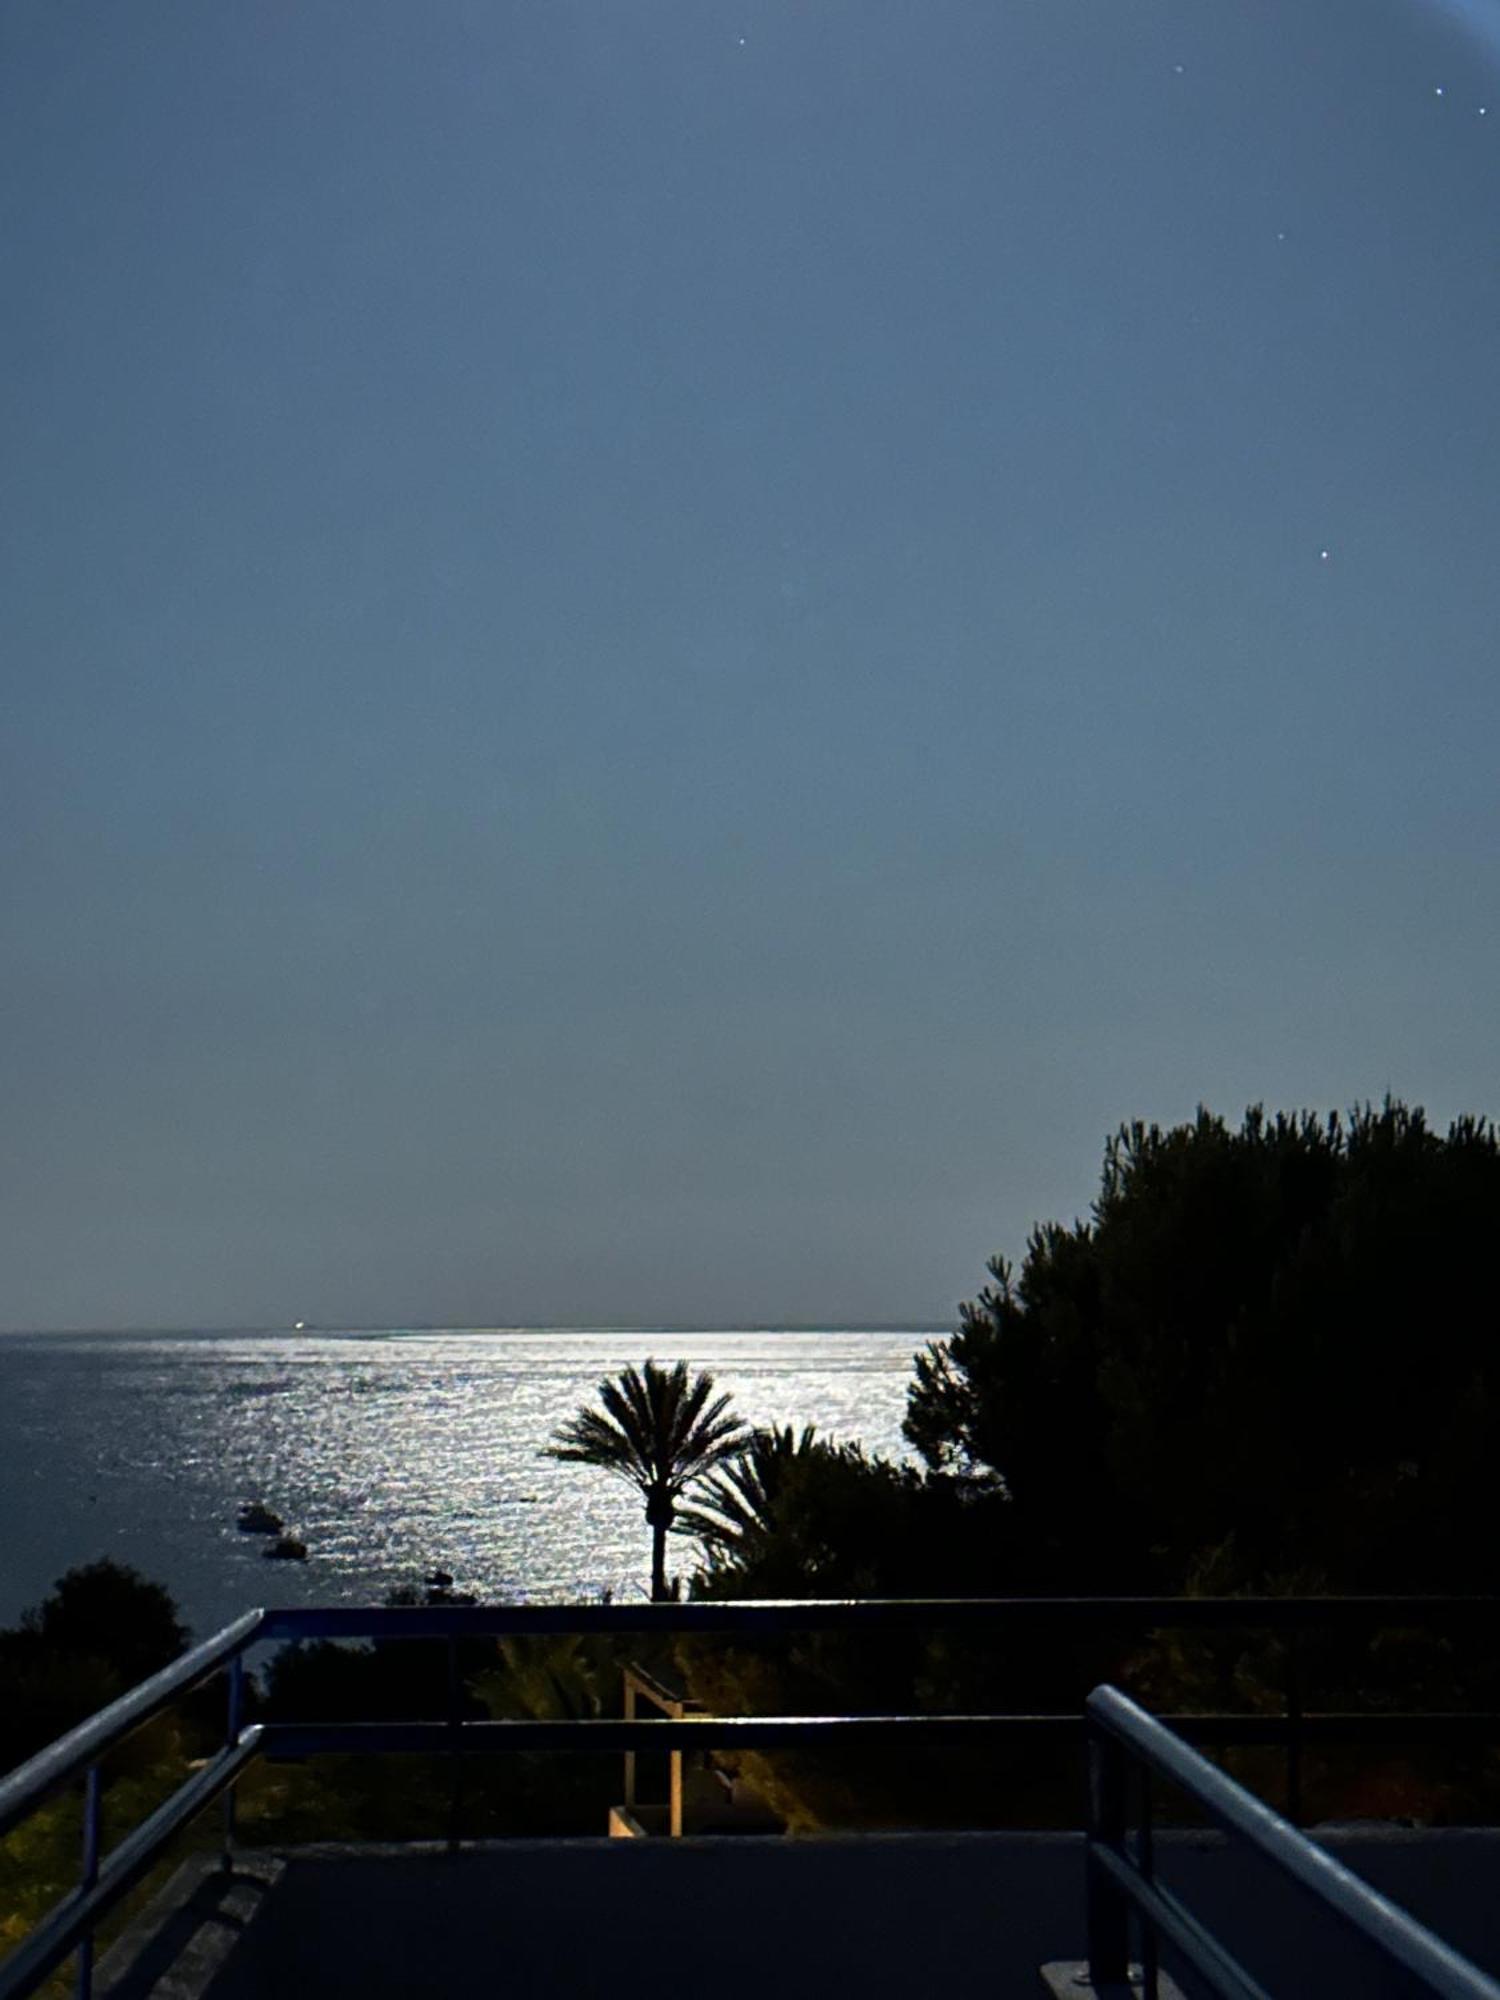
[{"x": 658, "y": 655}]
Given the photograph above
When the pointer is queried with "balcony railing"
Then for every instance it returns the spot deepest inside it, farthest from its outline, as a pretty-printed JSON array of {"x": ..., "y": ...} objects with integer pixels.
[
  {"x": 105, "y": 1878},
  {"x": 1379, "y": 1952}
]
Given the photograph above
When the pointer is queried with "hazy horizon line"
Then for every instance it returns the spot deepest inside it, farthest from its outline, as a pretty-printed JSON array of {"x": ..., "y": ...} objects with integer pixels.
[{"x": 911, "y": 1325}]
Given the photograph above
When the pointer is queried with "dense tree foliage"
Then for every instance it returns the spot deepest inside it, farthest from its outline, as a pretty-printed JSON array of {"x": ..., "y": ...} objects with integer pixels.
[
  {"x": 101, "y": 1628},
  {"x": 1280, "y": 1338},
  {"x": 806, "y": 1516},
  {"x": 1267, "y": 1361},
  {"x": 109, "y": 1612}
]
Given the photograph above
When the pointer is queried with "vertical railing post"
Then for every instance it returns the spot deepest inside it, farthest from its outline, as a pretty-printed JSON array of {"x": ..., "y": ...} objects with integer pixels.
[
  {"x": 1294, "y": 1728},
  {"x": 628, "y": 1705},
  {"x": 455, "y": 1768},
  {"x": 233, "y": 1717},
  {"x": 1108, "y": 1911},
  {"x": 1146, "y": 1858},
  {"x": 92, "y": 1794}
]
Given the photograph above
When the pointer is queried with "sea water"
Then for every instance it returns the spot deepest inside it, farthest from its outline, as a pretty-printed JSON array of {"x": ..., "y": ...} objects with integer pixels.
[{"x": 390, "y": 1453}]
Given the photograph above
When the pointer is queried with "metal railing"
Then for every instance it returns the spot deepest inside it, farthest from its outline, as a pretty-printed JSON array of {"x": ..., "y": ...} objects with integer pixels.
[
  {"x": 102, "y": 1881},
  {"x": 105, "y": 1878},
  {"x": 1384, "y": 1951}
]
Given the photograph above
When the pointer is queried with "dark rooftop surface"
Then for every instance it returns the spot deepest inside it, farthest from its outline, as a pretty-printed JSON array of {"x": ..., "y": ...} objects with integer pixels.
[{"x": 734, "y": 1918}]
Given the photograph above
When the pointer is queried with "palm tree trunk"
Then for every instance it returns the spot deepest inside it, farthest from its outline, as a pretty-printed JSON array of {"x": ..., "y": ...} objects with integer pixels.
[{"x": 659, "y": 1591}]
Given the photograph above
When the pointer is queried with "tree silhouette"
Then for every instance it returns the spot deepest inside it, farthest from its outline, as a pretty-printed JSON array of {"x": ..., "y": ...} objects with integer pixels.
[
  {"x": 108, "y": 1612},
  {"x": 1281, "y": 1334},
  {"x": 660, "y": 1431}
]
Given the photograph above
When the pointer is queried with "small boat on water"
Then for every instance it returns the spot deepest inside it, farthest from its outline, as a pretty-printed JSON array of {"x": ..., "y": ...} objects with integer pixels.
[
  {"x": 258, "y": 1519},
  {"x": 286, "y": 1548}
]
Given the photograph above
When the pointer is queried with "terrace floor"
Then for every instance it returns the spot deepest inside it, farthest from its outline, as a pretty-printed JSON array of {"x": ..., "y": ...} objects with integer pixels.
[{"x": 732, "y": 1918}]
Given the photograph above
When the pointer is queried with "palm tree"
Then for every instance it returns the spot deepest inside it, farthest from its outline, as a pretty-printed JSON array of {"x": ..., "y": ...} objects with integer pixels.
[
  {"x": 738, "y": 1504},
  {"x": 659, "y": 1431}
]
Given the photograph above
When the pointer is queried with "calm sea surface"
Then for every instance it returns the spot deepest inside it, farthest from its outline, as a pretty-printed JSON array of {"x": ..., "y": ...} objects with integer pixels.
[{"x": 389, "y": 1453}]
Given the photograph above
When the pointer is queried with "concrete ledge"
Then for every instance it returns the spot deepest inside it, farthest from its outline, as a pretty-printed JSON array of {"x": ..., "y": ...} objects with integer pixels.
[{"x": 186, "y": 1933}]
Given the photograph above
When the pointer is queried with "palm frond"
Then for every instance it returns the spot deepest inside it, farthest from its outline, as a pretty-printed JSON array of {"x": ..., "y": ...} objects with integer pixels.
[
  {"x": 739, "y": 1502},
  {"x": 659, "y": 1428}
]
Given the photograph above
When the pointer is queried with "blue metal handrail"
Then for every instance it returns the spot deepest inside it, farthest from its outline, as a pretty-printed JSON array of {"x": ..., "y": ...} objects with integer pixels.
[
  {"x": 105, "y": 1878},
  {"x": 1123, "y": 1738},
  {"x": 72, "y": 1922},
  {"x": 33, "y": 1782}
]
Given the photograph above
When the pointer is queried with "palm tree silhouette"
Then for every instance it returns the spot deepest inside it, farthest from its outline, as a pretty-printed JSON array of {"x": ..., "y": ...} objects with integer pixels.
[
  {"x": 658, "y": 1430},
  {"x": 737, "y": 1506}
]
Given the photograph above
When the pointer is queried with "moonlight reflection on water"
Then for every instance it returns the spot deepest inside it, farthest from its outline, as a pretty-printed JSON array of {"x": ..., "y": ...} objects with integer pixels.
[{"x": 388, "y": 1453}]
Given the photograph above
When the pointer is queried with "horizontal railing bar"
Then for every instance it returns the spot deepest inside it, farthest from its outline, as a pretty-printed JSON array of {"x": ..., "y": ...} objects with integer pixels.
[
  {"x": 1314, "y": 1870},
  {"x": 30, "y": 1783},
  {"x": 79, "y": 1912},
  {"x": 771, "y": 1616},
  {"x": 746, "y": 1731},
  {"x": 1317, "y": 1728},
  {"x": 609, "y": 1736},
  {"x": 1313, "y": 1727}
]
